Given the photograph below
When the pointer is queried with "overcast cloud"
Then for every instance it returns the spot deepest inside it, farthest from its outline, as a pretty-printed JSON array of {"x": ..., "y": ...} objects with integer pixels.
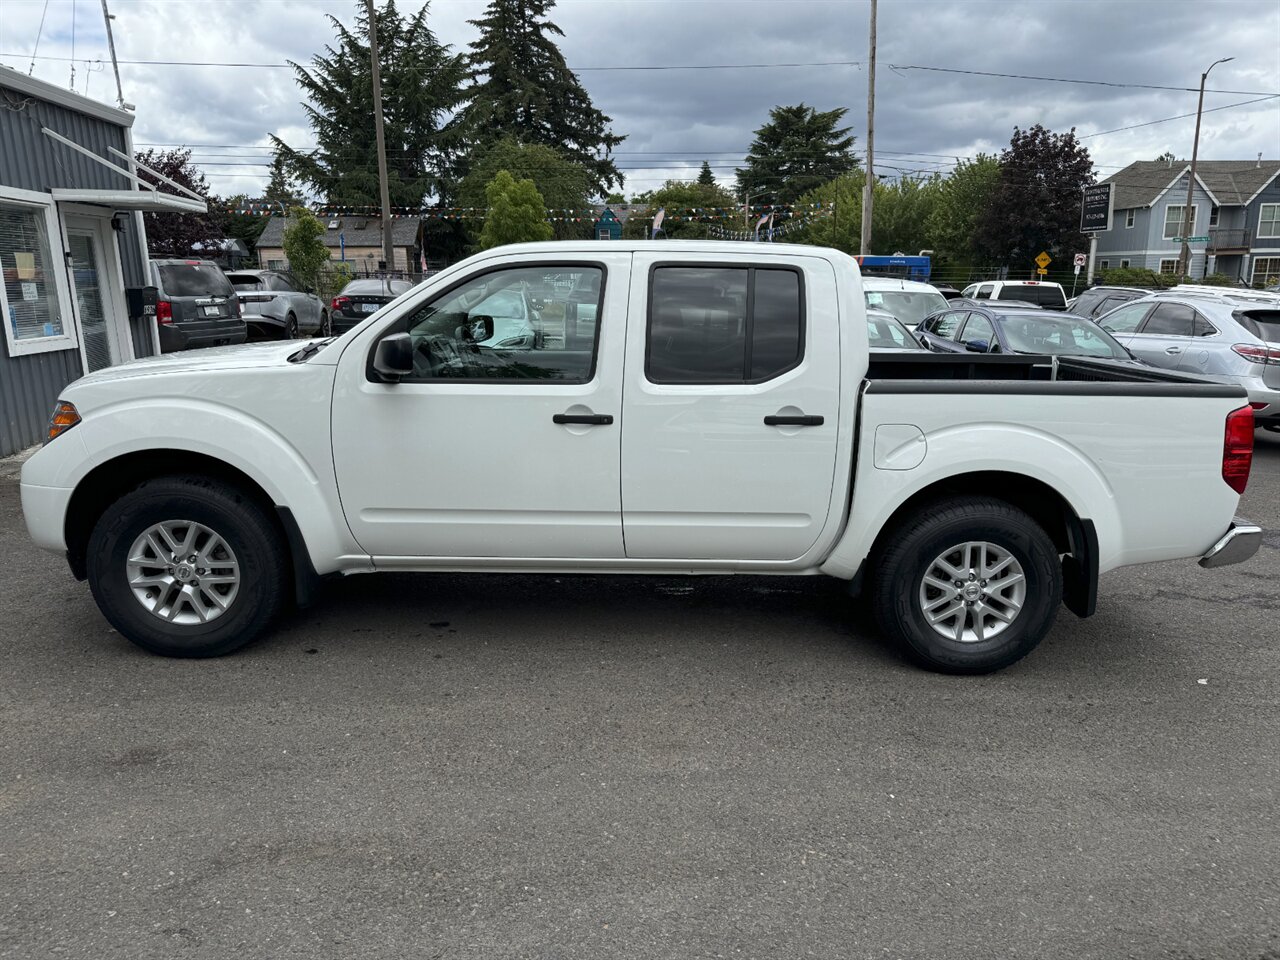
[{"x": 675, "y": 118}]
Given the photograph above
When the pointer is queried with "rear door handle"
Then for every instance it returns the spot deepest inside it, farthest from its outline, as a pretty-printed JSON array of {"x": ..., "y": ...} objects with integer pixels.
[
  {"x": 594, "y": 419},
  {"x": 803, "y": 421}
]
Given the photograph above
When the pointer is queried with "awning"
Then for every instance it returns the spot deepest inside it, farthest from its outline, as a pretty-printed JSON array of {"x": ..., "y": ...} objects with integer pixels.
[
  {"x": 148, "y": 200},
  {"x": 143, "y": 195}
]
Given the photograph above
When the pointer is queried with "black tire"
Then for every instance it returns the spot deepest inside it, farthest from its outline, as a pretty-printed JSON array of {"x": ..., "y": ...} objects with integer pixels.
[
  {"x": 242, "y": 523},
  {"x": 290, "y": 328},
  {"x": 910, "y": 550},
  {"x": 326, "y": 324}
]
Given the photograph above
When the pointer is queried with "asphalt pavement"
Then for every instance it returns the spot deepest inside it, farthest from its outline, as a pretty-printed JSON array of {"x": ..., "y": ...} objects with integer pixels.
[{"x": 592, "y": 767}]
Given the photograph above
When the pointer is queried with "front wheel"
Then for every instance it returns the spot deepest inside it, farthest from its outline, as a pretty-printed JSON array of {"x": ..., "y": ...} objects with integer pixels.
[
  {"x": 185, "y": 566},
  {"x": 969, "y": 585}
]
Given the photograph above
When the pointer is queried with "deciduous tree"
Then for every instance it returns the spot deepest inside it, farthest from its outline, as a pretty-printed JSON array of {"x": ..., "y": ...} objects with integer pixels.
[
  {"x": 303, "y": 246},
  {"x": 562, "y": 184},
  {"x": 962, "y": 201},
  {"x": 176, "y": 234},
  {"x": 517, "y": 213},
  {"x": 683, "y": 200}
]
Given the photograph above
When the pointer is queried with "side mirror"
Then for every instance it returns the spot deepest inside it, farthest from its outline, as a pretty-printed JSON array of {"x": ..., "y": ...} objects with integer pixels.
[
  {"x": 476, "y": 329},
  {"x": 977, "y": 346},
  {"x": 393, "y": 358}
]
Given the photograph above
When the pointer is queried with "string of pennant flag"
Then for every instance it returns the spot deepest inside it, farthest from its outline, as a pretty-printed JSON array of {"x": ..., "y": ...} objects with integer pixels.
[{"x": 255, "y": 208}]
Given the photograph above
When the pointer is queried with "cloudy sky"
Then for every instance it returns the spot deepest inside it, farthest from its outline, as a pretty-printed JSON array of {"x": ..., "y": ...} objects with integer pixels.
[{"x": 676, "y": 116}]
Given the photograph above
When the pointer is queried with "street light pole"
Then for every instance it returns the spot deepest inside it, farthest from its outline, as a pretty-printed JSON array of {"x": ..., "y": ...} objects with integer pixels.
[
  {"x": 868, "y": 191},
  {"x": 388, "y": 249},
  {"x": 1184, "y": 259}
]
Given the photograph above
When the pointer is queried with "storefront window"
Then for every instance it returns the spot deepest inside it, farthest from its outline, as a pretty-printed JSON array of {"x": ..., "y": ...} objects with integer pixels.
[{"x": 32, "y": 306}]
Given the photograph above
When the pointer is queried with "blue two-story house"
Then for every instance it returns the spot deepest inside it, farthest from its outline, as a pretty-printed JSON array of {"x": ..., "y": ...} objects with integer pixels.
[{"x": 1237, "y": 206}]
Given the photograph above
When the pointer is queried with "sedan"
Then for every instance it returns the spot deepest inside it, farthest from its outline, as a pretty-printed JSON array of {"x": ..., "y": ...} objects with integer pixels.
[
  {"x": 361, "y": 298},
  {"x": 987, "y": 330},
  {"x": 885, "y": 332}
]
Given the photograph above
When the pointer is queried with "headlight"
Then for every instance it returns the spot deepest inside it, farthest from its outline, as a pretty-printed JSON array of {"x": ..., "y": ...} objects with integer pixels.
[
  {"x": 513, "y": 342},
  {"x": 64, "y": 417}
]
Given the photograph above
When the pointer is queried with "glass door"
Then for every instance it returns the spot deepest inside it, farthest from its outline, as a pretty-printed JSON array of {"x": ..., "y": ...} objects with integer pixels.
[{"x": 92, "y": 277}]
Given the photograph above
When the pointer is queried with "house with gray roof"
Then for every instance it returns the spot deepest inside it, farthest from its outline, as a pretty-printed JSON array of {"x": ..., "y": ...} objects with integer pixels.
[
  {"x": 1236, "y": 205},
  {"x": 355, "y": 239}
]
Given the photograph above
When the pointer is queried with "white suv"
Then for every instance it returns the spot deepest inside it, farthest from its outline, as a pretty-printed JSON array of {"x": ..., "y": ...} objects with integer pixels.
[
  {"x": 1042, "y": 293},
  {"x": 908, "y": 300}
]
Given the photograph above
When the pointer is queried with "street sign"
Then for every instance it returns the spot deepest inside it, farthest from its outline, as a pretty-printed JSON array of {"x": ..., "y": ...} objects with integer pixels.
[
  {"x": 1191, "y": 239},
  {"x": 1096, "y": 208},
  {"x": 1043, "y": 260},
  {"x": 1041, "y": 270},
  {"x": 1080, "y": 260},
  {"x": 1077, "y": 269}
]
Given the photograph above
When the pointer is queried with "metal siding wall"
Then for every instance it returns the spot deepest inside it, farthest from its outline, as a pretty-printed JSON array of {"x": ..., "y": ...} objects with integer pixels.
[
  {"x": 28, "y": 387},
  {"x": 29, "y": 160}
]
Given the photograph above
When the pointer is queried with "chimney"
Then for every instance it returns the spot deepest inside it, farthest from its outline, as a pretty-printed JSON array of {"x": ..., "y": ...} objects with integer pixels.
[{"x": 1259, "y": 163}]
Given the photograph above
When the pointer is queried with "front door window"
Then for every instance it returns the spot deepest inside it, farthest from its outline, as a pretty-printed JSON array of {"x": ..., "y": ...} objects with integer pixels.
[{"x": 100, "y": 347}]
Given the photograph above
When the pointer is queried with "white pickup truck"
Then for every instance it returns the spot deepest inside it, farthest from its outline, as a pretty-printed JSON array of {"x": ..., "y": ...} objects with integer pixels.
[{"x": 714, "y": 411}]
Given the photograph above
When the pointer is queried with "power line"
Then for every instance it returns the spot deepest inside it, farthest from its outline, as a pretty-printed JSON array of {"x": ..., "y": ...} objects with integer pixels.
[
  {"x": 1117, "y": 84},
  {"x": 1181, "y": 116}
]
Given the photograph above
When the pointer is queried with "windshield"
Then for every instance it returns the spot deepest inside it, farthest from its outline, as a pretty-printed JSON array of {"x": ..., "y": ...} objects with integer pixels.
[
  {"x": 1058, "y": 336},
  {"x": 909, "y": 306},
  {"x": 193, "y": 280},
  {"x": 885, "y": 331}
]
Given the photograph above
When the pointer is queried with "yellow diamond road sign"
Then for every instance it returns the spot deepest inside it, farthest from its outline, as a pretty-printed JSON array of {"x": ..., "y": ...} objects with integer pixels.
[{"x": 1044, "y": 260}]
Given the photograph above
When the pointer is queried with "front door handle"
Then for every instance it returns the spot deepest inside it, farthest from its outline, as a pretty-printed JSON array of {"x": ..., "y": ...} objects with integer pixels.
[
  {"x": 1172, "y": 349},
  {"x": 593, "y": 419},
  {"x": 802, "y": 421}
]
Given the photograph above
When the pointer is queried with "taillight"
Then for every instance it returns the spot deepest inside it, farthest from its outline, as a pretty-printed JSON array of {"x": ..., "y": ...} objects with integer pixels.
[
  {"x": 235, "y": 304},
  {"x": 164, "y": 311},
  {"x": 340, "y": 303},
  {"x": 1237, "y": 448},
  {"x": 1256, "y": 354}
]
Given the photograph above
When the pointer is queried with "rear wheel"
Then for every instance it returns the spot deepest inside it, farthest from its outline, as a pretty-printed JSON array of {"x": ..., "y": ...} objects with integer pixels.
[
  {"x": 326, "y": 324},
  {"x": 967, "y": 585},
  {"x": 187, "y": 567},
  {"x": 291, "y": 327}
]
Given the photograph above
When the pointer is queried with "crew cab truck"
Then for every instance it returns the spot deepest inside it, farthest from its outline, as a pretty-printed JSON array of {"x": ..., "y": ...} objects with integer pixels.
[{"x": 719, "y": 414}]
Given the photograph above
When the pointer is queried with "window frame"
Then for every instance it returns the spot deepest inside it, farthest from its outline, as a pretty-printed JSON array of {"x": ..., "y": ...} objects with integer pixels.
[
  {"x": 1173, "y": 260},
  {"x": 1124, "y": 264},
  {"x": 1189, "y": 335},
  {"x": 1182, "y": 218},
  {"x": 1116, "y": 334},
  {"x": 1104, "y": 264},
  {"x": 1253, "y": 273},
  {"x": 1275, "y": 220},
  {"x": 1130, "y": 217},
  {"x": 401, "y": 325},
  {"x": 69, "y": 339},
  {"x": 960, "y": 336},
  {"x": 750, "y": 266},
  {"x": 1214, "y": 214}
]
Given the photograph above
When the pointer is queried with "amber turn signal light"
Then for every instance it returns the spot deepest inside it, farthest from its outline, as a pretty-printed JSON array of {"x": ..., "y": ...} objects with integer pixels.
[{"x": 65, "y": 416}]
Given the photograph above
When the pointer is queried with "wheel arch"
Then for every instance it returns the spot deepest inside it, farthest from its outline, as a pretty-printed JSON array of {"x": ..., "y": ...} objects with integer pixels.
[
  {"x": 1073, "y": 536},
  {"x": 108, "y": 481}
]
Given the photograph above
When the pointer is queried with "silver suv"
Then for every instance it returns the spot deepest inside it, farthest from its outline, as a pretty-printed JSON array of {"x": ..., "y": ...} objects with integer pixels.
[{"x": 1230, "y": 336}]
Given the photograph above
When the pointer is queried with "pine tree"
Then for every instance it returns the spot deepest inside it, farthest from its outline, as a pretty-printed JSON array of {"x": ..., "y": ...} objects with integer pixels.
[
  {"x": 797, "y": 150},
  {"x": 522, "y": 88},
  {"x": 705, "y": 176},
  {"x": 281, "y": 188},
  {"x": 421, "y": 83}
]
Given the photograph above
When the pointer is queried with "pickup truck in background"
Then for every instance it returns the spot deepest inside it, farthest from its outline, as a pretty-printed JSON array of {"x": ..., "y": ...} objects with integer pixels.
[{"x": 719, "y": 414}]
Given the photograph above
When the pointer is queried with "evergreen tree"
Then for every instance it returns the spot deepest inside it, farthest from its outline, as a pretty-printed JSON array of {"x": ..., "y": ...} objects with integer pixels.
[
  {"x": 421, "y": 82},
  {"x": 282, "y": 190},
  {"x": 522, "y": 88},
  {"x": 517, "y": 213},
  {"x": 797, "y": 150},
  {"x": 304, "y": 246},
  {"x": 705, "y": 176}
]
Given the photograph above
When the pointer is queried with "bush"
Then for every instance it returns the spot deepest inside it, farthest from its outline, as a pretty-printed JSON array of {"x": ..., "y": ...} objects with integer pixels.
[{"x": 1138, "y": 277}]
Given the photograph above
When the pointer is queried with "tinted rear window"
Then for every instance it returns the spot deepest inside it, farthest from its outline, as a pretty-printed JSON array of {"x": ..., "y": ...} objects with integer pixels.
[
  {"x": 246, "y": 281},
  {"x": 1264, "y": 324},
  {"x": 1040, "y": 294},
  {"x": 193, "y": 280}
]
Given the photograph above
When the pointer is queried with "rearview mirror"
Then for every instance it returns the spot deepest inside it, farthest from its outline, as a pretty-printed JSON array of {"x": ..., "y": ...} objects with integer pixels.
[
  {"x": 393, "y": 358},
  {"x": 476, "y": 329}
]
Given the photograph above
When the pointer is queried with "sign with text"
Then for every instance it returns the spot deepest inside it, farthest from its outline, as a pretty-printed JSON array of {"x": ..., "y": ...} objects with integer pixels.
[
  {"x": 1044, "y": 259},
  {"x": 1096, "y": 208}
]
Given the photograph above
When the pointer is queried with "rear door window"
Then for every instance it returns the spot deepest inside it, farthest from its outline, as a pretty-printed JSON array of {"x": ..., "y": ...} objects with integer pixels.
[
  {"x": 1170, "y": 320},
  {"x": 1124, "y": 320},
  {"x": 984, "y": 292},
  {"x": 193, "y": 280},
  {"x": 723, "y": 324},
  {"x": 948, "y": 324}
]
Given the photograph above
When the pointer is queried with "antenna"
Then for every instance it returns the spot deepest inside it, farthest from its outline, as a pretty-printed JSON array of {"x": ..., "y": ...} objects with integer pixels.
[
  {"x": 111, "y": 45},
  {"x": 38, "y": 34}
]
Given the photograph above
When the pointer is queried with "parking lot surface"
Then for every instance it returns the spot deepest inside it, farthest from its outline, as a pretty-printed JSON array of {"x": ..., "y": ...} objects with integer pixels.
[{"x": 591, "y": 767}]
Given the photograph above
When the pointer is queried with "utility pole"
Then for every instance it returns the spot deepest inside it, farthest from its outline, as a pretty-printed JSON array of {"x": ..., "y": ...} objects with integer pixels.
[
  {"x": 388, "y": 249},
  {"x": 1184, "y": 259},
  {"x": 868, "y": 190},
  {"x": 111, "y": 45}
]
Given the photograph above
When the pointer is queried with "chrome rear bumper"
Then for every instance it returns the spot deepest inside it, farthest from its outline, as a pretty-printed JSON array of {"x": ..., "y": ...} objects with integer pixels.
[{"x": 1237, "y": 545}]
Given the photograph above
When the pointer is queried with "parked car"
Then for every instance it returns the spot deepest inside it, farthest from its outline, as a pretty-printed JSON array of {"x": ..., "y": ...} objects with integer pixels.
[
  {"x": 887, "y": 332},
  {"x": 1043, "y": 293},
  {"x": 196, "y": 306},
  {"x": 1231, "y": 337},
  {"x": 991, "y": 328},
  {"x": 360, "y": 298},
  {"x": 908, "y": 300},
  {"x": 275, "y": 305},
  {"x": 726, "y": 418},
  {"x": 1096, "y": 301}
]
